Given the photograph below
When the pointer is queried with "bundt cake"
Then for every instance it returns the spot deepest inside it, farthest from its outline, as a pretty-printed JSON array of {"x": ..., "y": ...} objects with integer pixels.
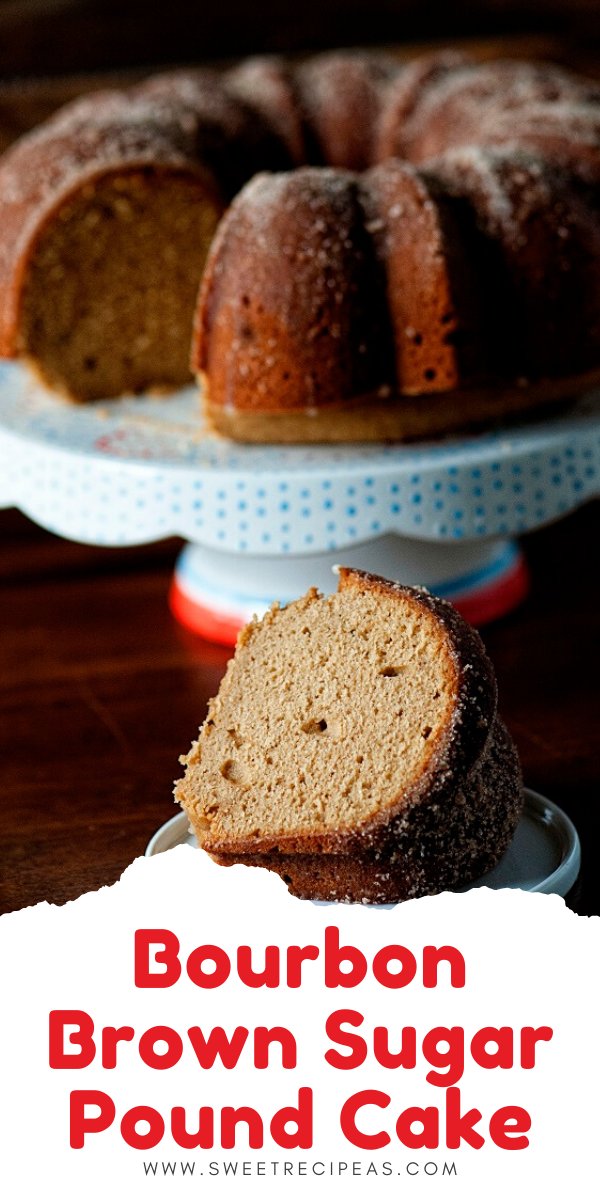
[
  {"x": 444, "y": 101},
  {"x": 266, "y": 85},
  {"x": 418, "y": 254},
  {"x": 355, "y": 748},
  {"x": 342, "y": 96},
  {"x": 483, "y": 241}
]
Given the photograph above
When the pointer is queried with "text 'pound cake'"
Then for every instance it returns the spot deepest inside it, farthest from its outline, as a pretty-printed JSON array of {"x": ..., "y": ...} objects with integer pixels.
[{"x": 355, "y": 748}]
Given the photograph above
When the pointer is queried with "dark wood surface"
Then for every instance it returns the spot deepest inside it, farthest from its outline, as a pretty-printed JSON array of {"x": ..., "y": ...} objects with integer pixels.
[{"x": 101, "y": 690}]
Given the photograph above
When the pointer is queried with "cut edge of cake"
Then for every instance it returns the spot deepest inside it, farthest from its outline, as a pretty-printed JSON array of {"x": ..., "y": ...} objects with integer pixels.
[{"x": 460, "y": 748}]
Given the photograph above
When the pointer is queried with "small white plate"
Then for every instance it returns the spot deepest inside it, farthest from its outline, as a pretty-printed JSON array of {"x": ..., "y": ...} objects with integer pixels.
[{"x": 544, "y": 856}]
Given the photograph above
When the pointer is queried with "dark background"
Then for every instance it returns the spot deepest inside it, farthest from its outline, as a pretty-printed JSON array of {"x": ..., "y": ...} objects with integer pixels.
[
  {"x": 100, "y": 689},
  {"x": 59, "y": 36}
]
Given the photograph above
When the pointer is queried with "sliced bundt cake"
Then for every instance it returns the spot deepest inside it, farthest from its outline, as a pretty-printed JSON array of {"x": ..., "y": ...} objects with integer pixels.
[
  {"x": 355, "y": 748},
  {"x": 343, "y": 301}
]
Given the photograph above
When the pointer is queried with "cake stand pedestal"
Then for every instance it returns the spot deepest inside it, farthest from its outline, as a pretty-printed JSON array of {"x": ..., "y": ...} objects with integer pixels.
[
  {"x": 267, "y": 522},
  {"x": 215, "y": 594}
]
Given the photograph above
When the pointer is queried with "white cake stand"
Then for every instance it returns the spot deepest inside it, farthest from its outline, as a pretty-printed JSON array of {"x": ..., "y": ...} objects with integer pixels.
[{"x": 267, "y": 522}]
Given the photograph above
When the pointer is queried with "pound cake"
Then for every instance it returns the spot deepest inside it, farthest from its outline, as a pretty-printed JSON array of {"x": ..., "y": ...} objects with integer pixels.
[
  {"x": 422, "y": 256},
  {"x": 106, "y": 215},
  {"x": 355, "y": 748}
]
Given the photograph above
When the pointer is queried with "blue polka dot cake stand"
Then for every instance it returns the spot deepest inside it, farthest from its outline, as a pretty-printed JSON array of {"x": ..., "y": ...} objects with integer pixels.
[{"x": 267, "y": 522}]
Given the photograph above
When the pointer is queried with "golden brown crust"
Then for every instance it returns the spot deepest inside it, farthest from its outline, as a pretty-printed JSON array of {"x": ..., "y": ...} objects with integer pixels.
[
  {"x": 233, "y": 137},
  {"x": 539, "y": 236},
  {"x": 431, "y": 284},
  {"x": 268, "y": 85},
  {"x": 400, "y": 418},
  {"x": 291, "y": 311}
]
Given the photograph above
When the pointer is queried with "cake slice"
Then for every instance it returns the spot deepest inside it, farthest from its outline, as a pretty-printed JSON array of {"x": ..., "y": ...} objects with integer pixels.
[
  {"x": 354, "y": 748},
  {"x": 107, "y": 212}
]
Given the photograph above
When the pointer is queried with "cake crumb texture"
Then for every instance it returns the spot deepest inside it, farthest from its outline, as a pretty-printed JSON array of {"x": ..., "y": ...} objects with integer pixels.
[
  {"x": 354, "y": 746},
  {"x": 109, "y": 291}
]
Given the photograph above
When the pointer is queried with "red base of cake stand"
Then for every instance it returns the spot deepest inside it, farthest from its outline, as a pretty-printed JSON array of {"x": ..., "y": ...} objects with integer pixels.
[{"x": 482, "y": 595}]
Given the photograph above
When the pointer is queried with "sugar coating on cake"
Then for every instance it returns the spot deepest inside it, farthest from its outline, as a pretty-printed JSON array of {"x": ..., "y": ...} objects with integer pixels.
[
  {"x": 431, "y": 288},
  {"x": 406, "y": 93},
  {"x": 95, "y": 135},
  {"x": 359, "y": 302},
  {"x": 301, "y": 313},
  {"x": 479, "y": 264},
  {"x": 268, "y": 86},
  {"x": 545, "y": 266},
  {"x": 107, "y": 216},
  {"x": 234, "y": 137},
  {"x": 342, "y": 96},
  {"x": 486, "y": 104}
]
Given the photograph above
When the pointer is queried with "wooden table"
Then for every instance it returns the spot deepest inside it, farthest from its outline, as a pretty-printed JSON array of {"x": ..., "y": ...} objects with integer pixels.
[{"x": 101, "y": 690}]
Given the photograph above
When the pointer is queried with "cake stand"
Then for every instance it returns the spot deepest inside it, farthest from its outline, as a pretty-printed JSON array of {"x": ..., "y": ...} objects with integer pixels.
[{"x": 267, "y": 522}]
